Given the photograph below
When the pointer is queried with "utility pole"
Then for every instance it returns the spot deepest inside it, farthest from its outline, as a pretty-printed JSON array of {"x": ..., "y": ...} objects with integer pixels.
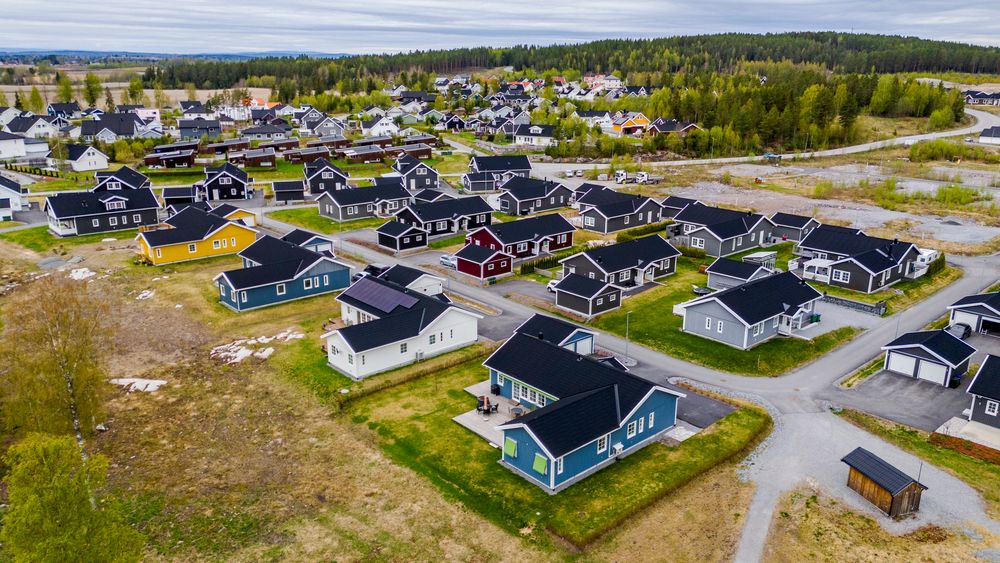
[{"x": 626, "y": 336}]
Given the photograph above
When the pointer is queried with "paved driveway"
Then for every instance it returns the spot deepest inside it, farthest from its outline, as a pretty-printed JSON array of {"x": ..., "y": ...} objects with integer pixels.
[
  {"x": 983, "y": 345},
  {"x": 699, "y": 410},
  {"x": 908, "y": 400}
]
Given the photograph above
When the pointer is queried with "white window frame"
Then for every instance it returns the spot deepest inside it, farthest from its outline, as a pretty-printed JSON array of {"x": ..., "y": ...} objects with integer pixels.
[
  {"x": 192, "y": 248},
  {"x": 697, "y": 242},
  {"x": 588, "y": 221},
  {"x": 402, "y": 348},
  {"x": 280, "y": 288},
  {"x": 602, "y": 444},
  {"x": 225, "y": 180},
  {"x": 559, "y": 466},
  {"x": 719, "y": 326},
  {"x": 216, "y": 245},
  {"x": 642, "y": 424},
  {"x": 630, "y": 430},
  {"x": 708, "y": 323},
  {"x": 95, "y": 222},
  {"x": 612, "y": 297},
  {"x": 650, "y": 425},
  {"x": 842, "y": 276},
  {"x": 432, "y": 339},
  {"x": 307, "y": 283},
  {"x": 992, "y": 408},
  {"x": 326, "y": 279},
  {"x": 113, "y": 221},
  {"x": 600, "y": 301},
  {"x": 136, "y": 218}
]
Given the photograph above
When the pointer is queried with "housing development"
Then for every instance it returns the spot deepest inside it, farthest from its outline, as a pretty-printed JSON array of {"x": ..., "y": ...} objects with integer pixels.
[{"x": 445, "y": 305}]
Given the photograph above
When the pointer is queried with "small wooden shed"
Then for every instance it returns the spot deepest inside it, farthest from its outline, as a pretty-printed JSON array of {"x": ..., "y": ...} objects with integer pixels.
[{"x": 892, "y": 491}]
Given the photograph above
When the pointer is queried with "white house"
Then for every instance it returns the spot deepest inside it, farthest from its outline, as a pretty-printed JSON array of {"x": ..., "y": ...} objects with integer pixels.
[
  {"x": 11, "y": 146},
  {"x": 389, "y": 325},
  {"x": 12, "y": 198},
  {"x": 85, "y": 158},
  {"x": 378, "y": 127}
]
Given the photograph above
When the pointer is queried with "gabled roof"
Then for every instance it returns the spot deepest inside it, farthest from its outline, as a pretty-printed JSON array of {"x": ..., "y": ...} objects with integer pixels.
[
  {"x": 948, "y": 348},
  {"x": 302, "y": 236},
  {"x": 229, "y": 169},
  {"x": 636, "y": 253},
  {"x": 790, "y": 220},
  {"x": 428, "y": 194},
  {"x": 277, "y": 261},
  {"x": 397, "y": 229},
  {"x": 534, "y": 130},
  {"x": 986, "y": 383},
  {"x": 288, "y": 186},
  {"x": 81, "y": 204},
  {"x": 385, "y": 181},
  {"x": 121, "y": 124},
  {"x": 873, "y": 253},
  {"x": 524, "y": 189},
  {"x": 762, "y": 299},
  {"x": 403, "y": 275},
  {"x": 677, "y": 202},
  {"x": 734, "y": 268},
  {"x": 988, "y": 300},
  {"x": 198, "y": 123},
  {"x": 374, "y": 194},
  {"x": 319, "y": 165},
  {"x": 190, "y": 224},
  {"x": 723, "y": 223},
  {"x": 449, "y": 208},
  {"x": 407, "y": 163},
  {"x": 879, "y": 471},
  {"x": 478, "y": 254},
  {"x": 21, "y": 124},
  {"x": 125, "y": 175},
  {"x": 12, "y": 185},
  {"x": 550, "y": 329},
  {"x": 75, "y": 152},
  {"x": 530, "y": 229},
  {"x": 500, "y": 163},
  {"x": 581, "y": 286},
  {"x": 270, "y": 250}
]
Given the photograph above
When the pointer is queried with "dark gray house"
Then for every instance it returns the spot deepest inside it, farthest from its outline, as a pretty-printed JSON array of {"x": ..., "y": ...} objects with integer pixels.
[
  {"x": 672, "y": 205},
  {"x": 750, "y": 314},
  {"x": 361, "y": 203},
  {"x": 856, "y": 261},
  {"x": 488, "y": 173},
  {"x": 398, "y": 236},
  {"x": 448, "y": 216},
  {"x": 788, "y": 226},
  {"x": 198, "y": 128},
  {"x": 81, "y": 213},
  {"x": 523, "y": 196},
  {"x": 985, "y": 391},
  {"x": 627, "y": 264},
  {"x": 619, "y": 212},
  {"x": 981, "y": 312},
  {"x": 224, "y": 182},
  {"x": 931, "y": 355},
  {"x": 322, "y": 176},
  {"x": 289, "y": 191},
  {"x": 124, "y": 178},
  {"x": 725, "y": 273},
  {"x": 721, "y": 232},
  {"x": 587, "y": 296},
  {"x": 416, "y": 175}
]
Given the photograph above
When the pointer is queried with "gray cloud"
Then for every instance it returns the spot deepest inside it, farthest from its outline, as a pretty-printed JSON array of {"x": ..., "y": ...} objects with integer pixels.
[{"x": 376, "y": 26}]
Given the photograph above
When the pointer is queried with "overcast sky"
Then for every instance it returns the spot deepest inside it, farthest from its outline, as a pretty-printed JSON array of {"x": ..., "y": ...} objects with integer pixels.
[{"x": 376, "y": 26}]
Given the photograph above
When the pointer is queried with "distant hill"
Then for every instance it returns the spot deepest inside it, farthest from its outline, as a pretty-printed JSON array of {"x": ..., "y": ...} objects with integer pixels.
[{"x": 67, "y": 54}]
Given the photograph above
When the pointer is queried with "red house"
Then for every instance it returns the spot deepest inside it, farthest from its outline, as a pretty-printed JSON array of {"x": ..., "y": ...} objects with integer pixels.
[
  {"x": 483, "y": 263},
  {"x": 525, "y": 237}
]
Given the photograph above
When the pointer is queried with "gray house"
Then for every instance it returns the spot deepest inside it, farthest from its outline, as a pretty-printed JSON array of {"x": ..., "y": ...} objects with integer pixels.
[
  {"x": 985, "y": 391},
  {"x": 625, "y": 265},
  {"x": 721, "y": 232},
  {"x": 322, "y": 176},
  {"x": 725, "y": 273},
  {"x": 792, "y": 227},
  {"x": 416, "y": 175},
  {"x": 981, "y": 312},
  {"x": 620, "y": 212},
  {"x": 587, "y": 296},
  {"x": 198, "y": 128},
  {"x": 523, "y": 196},
  {"x": 856, "y": 261},
  {"x": 749, "y": 314},
  {"x": 931, "y": 355},
  {"x": 361, "y": 203}
]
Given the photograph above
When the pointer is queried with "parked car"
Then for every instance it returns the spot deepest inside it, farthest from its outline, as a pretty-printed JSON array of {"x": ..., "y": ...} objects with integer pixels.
[
  {"x": 568, "y": 174},
  {"x": 375, "y": 269},
  {"x": 579, "y": 173},
  {"x": 551, "y": 286},
  {"x": 968, "y": 139},
  {"x": 448, "y": 261},
  {"x": 960, "y": 330}
]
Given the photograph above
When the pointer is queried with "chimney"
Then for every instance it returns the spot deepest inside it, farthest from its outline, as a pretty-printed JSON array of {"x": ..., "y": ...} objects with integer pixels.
[{"x": 541, "y": 335}]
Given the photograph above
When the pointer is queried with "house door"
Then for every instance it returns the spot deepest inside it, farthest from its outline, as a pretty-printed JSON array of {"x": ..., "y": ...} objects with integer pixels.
[
  {"x": 649, "y": 218},
  {"x": 413, "y": 184},
  {"x": 215, "y": 193},
  {"x": 545, "y": 246}
]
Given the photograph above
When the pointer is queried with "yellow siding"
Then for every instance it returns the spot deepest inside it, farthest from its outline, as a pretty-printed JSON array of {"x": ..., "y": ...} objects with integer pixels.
[
  {"x": 231, "y": 239},
  {"x": 248, "y": 217}
]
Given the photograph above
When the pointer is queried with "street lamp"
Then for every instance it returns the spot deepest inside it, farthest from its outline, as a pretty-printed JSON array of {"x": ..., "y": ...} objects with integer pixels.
[{"x": 626, "y": 336}]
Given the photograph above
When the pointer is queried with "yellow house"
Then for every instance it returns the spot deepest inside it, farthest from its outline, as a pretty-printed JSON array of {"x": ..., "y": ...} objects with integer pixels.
[
  {"x": 233, "y": 213},
  {"x": 193, "y": 234},
  {"x": 630, "y": 123}
]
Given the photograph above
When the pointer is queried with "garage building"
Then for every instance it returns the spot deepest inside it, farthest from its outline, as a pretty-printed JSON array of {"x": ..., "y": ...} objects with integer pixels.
[
  {"x": 981, "y": 312},
  {"x": 931, "y": 355}
]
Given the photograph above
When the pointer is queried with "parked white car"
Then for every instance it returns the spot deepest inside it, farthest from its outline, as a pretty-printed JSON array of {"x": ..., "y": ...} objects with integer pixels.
[
  {"x": 551, "y": 286},
  {"x": 448, "y": 261}
]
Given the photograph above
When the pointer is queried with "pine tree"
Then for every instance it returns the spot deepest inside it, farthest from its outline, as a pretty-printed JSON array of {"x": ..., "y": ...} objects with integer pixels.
[{"x": 91, "y": 89}]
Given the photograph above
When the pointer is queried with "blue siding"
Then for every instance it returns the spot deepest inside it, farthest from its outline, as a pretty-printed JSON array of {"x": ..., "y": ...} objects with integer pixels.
[
  {"x": 339, "y": 278},
  {"x": 526, "y": 450}
]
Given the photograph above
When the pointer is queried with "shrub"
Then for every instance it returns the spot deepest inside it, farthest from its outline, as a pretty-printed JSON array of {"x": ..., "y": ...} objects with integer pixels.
[
  {"x": 692, "y": 252},
  {"x": 936, "y": 266},
  {"x": 642, "y": 231}
]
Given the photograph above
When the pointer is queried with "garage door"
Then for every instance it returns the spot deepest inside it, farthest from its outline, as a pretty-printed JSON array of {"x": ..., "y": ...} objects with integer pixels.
[
  {"x": 990, "y": 327},
  {"x": 906, "y": 365},
  {"x": 966, "y": 318},
  {"x": 935, "y": 373}
]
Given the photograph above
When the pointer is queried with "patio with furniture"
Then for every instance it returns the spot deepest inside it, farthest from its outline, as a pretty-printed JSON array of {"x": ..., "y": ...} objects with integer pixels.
[{"x": 491, "y": 411}]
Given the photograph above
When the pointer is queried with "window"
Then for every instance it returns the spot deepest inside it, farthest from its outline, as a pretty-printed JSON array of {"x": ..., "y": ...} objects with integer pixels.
[
  {"x": 612, "y": 297},
  {"x": 352, "y": 210},
  {"x": 842, "y": 276},
  {"x": 243, "y": 296},
  {"x": 116, "y": 205},
  {"x": 552, "y": 201},
  {"x": 521, "y": 247},
  {"x": 192, "y": 248},
  {"x": 627, "y": 219},
  {"x": 432, "y": 339},
  {"x": 689, "y": 228},
  {"x": 591, "y": 274},
  {"x": 602, "y": 444},
  {"x": 421, "y": 171},
  {"x": 350, "y": 359},
  {"x": 369, "y": 207},
  {"x": 225, "y": 180},
  {"x": 651, "y": 420},
  {"x": 307, "y": 283},
  {"x": 489, "y": 267},
  {"x": 95, "y": 222},
  {"x": 222, "y": 290},
  {"x": 642, "y": 425},
  {"x": 280, "y": 288},
  {"x": 500, "y": 379},
  {"x": 718, "y": 326},
  {"x": 326, "y": 279},
  {"x": 540, "y": 464},
  {"x": 451, "y": 333},
  {"x": 588, "y": 221},
  {"x": 992, "y": 407},
  {"x": 600, "y": 301},
  {"x": 402, "y": 348},
  {"x": 509, "y": 447},
  {"x": 327, "y": 174},
  {"x": 625, "y": 275},
  {"x": 216, "y": 244},
  {"x": 233, "y": 241},
  {"x": 630, "y": 431},
  {"x": 775, "y": 325},
  {"x": 158, "y": 253},
  {"x": 708, "y": 323},
  {"x": 406, "y": 240},
  {"x": 224, "y": 243},
  {"x": 758, "y": 328},
  {"x": 559, "y": 466},
  {"x": 739, "y": 241},
  {"x": 113, "y": 221},
  {"x": 137, "y": 218},
  {"x": 232, "y": 296},
  {"x": 697, "y": 242}
]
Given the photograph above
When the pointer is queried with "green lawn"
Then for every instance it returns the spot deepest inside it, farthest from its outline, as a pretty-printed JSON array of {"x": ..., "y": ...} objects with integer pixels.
[
  {"x": 62, "y": 184},
  {"x": 784, "y": 250},
  {"x": 447, "y": 241},
  {"x": 653, "y": 324},
  {"x": 414, "y": 427},
  {"x": 309, "y": 218},
  {"x": 9, "y": 224},
  {"x": 980, "y": 475},
  {"x": 455, "y": 163},
  {"x": 40, "y": 239},
  {"x": 902, "y": 295}
]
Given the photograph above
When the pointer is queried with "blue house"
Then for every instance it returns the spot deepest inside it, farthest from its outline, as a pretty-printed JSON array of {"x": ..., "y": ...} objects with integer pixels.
[
  {"x": 277, "y": 271},
  {"x": 583, "y": 414}
]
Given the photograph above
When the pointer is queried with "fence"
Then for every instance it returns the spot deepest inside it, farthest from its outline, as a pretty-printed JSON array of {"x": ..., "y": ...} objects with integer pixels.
[{"x": 878, "y": 309}]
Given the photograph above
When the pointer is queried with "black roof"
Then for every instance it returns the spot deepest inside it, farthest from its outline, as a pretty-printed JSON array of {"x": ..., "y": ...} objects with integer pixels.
[
  {"x": 406, "y": 163},
  {"x": 879, "y": 471},
  {"x": 357, "y": 196},
  {"x": 301, "y": 236},
  {"x": 790, "y": 220},
  {"x": 876, "y": 254},
  {"x": 280, "y": 261},
  {"x": 320, "y": 164},
  {"x": 724, "y": 223},
  {"x": 81, "y": 204},
  {"x": 449, "y": 208},
  {"x": 501, "y": 163},
  {"x": 402, "y": 313},
  {"x": 581, "y": 286},
  {"x": 270, "y": 250},
  {"x": 380, "y": 181},
  {"x": 121, "y": 124},
  {"x": 288, "y": 186},
  {"x": 764, "y": 298},
  {"x": 526, "y": 130},
  {"x": 396, "y": 229},
  {"x": 991, "y": 300},
  {"x": 74, "y": 152},
  {"x": 986, "y": 383},
  {"x": 428, "y": 194},
  {"x": 477, "y": 254},
  {"x": 198, "y": 123},
  {"x": 548, "y": 328},
  {"x": 178, "y": 191},
  {"x": 677, "y": 202},
  {"x": 402, "y": 275},
  {"x": 530, "y": 229},
  {"x": 523, "y": 189},
  {"x": 592, "y": 397},
  {"x": 635, "y": 253},
  {"x": 939, "y": 342},
  {"x": 125, "y": 175},
  {"x": 189, "y": 224},
  {"x": 733, "y": 268},
  {"x": 6, "y": 182},
  {"x": 227, "y": 168}
]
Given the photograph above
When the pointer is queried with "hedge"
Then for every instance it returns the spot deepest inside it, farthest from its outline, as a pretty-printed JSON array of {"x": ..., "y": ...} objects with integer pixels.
[
  {"x": 644, "y": 230},
  {"x": 692, "y": 252}
]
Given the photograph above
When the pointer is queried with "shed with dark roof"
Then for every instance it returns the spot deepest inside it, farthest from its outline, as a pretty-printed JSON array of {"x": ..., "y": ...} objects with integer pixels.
[
  {"x": 892, "y": 491},
  {"x": 932, "y": 355}
]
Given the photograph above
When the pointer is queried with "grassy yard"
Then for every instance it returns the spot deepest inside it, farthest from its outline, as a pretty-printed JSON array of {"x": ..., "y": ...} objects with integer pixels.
[
  {"x": 654, "y": 325},
  {"x": 863, "y": 373},
  {"x": 902, "y": 295},
  {"x": 309, "y": 218},
  {"x": 40, "y": 239},
  {"x": 455, "y": 163},
  {"x": 9, "y": 224},
  {"x": 980, "y": 475},
  {"x": 414, "y": 427},
  {"x": 62, "y": 184},
  {"x": 442, "y": 243}
]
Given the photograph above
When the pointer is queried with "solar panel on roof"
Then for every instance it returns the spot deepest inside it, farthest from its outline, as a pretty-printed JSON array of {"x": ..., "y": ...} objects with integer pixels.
[{"x": 382, "y": 298}]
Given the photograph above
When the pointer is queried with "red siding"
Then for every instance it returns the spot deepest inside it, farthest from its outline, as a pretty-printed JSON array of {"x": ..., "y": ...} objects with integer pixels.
[
  {"x": 467, "y": 267},
  {"x": 485, "y": 239},
  {"x": 502, "y": 265}
]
